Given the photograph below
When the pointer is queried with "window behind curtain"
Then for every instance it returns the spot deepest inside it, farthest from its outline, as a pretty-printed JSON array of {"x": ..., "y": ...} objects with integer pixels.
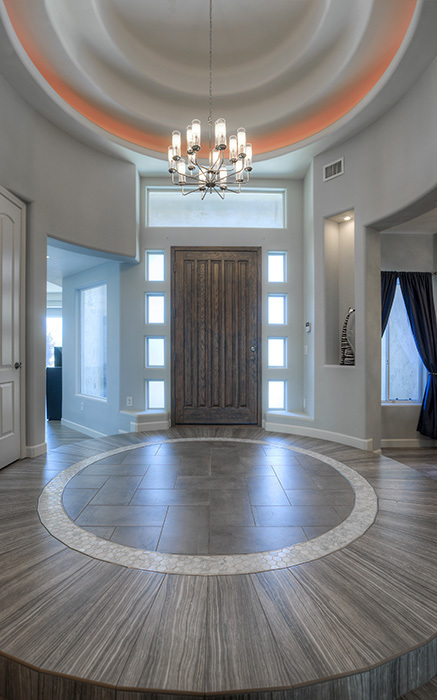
[{"x": 402, "y": 370}]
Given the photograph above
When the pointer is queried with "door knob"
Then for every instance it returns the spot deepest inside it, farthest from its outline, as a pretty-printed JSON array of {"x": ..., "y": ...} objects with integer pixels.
[
  {"x": 18, "y": 365},
  {"x": 253, "y": 348}
]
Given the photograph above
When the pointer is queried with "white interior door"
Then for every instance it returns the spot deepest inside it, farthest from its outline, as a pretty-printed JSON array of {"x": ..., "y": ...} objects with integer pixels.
[{"x": 10, "y": 361}]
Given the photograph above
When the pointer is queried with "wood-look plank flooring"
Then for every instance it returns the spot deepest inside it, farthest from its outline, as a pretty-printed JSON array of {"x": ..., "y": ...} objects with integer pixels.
[
  {"x": 58, "y": 435},
  {"x": 426, "y": 692},
  {"x": 359, "y": 624}
]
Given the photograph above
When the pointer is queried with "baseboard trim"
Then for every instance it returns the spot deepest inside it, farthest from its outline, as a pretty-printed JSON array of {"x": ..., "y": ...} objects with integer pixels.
[
  {"x": 82, "y": 429},
  {"x": 409, "y": 442},
  {"x": 146, "y": 427},
  {"x": 32, "y": 451},
  {"x": 320, "y": 434}
]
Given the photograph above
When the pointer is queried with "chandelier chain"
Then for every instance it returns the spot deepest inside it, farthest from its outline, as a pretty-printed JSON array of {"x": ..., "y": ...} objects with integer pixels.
[
  {"x": 210, "y": 64},
  {"x": 222, "y": 173}
]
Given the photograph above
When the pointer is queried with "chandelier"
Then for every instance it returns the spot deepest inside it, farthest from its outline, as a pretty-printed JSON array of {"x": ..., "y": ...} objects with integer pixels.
[{"x": 224, "y": 172}]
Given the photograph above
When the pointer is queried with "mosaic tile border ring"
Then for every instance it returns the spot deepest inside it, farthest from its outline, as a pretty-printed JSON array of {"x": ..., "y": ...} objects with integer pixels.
[{"x": 57, "y": 522}]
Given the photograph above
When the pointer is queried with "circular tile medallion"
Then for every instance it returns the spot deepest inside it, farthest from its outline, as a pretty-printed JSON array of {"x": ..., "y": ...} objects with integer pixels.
[{"x": 57, "y": 522}]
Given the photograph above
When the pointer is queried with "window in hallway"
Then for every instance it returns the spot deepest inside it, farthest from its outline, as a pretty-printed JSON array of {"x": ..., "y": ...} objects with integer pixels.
[
  {"x": 53, "y": 321},
  {"x": 93, "y": 341},
  {"x": 53, "y": 338}
]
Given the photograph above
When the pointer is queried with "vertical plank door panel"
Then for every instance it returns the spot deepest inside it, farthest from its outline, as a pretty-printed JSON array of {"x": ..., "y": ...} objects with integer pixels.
[{"x": 216, "y": 336}]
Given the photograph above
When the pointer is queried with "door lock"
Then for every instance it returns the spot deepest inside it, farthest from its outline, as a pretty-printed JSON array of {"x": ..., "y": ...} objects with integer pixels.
[{"x": 18, "y": 365}]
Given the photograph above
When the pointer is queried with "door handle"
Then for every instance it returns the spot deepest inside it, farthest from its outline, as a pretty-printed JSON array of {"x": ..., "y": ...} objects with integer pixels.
[
  {"x": 18, "y": 365},
  {"x": 253, "y": 348}
]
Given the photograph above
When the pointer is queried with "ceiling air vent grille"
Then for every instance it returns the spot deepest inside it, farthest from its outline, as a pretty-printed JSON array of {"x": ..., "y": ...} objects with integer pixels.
[{"x": 333, "y": 169}]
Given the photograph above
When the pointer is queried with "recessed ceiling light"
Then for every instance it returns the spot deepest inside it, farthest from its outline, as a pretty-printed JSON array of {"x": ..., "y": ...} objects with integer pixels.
[
  {"x": 48, "y": 257},
  {"x": 347, "y": 218}
]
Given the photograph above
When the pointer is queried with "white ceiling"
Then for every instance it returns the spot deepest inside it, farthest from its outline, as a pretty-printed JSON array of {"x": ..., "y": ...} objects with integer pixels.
[
  {"x": 298, "y": 74},
  {"x": 426, "y": 223},
  {"x": 64, "y": 260},
  {"x": 279, "y": 68}
]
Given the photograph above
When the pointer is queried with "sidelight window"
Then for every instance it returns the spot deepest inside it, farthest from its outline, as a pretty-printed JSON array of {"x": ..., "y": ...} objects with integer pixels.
[
  {"x": 276, "y": 309},
  {"x": 155, "y": 394},
  {"x": 276, "y": 395},
  {"x": 155, "y": 351},
  {"x": 276, "y": 352},
  {"x": 155, "y": 271},
  {"x": 155, "y": 309},
  {"x": 276, "y": 266}
]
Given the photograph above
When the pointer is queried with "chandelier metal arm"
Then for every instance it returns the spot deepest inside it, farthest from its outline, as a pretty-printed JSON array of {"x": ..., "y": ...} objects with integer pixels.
[{"x": 221, "y": 193}]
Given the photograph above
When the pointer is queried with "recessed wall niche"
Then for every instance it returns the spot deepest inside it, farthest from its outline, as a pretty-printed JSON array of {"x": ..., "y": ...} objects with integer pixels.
[{"x": 339, "y": 241}]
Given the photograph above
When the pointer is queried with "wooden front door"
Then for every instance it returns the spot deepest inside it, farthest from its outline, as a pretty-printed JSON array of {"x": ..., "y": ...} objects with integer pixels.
[{"x": 216, "y": 310}]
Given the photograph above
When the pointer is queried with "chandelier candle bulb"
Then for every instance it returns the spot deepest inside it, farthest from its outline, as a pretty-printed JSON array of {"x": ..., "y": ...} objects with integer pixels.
[
  {"x": 248, "y": 158},
  {"x": 223, "y": 174},
  {"x": 233, "y": 149},
  {"x": 195, "y": 133},
  {"x": 171, "y": 168},
  {"x": 241, "y": 139},
  {"x": 176, "y": 144},
  {"x": 190, "y": 139},
  {"x": 181, "y": 172},
  {"x": 239, "y": 171},
  {"x": 192, "y": 161},
  {"x": 220, "y": 134}
]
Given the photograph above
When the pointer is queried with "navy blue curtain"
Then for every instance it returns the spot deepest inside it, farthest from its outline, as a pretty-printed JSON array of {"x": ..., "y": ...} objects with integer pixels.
[
  {"x": 418, "y": 297},
  {"x": 388, "y": 289}
]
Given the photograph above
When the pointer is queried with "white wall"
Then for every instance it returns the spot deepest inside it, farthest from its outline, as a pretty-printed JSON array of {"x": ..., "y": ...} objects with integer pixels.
[
  {"x": 410, "y": 252},
  {"x": 389, "y": 165},
  {"x": 343, "y": 403},
  {"x": 82, "y": 196},
  {"x": 133, "y": 288},
  {"x": 75, "y": 194}
]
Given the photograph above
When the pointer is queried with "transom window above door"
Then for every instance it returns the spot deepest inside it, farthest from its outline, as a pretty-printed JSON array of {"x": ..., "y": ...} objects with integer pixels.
[{"x": 254, "y": 208}]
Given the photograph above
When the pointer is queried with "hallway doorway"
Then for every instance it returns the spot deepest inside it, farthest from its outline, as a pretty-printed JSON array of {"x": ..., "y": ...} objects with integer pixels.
[{"x": 216, "y": 335}]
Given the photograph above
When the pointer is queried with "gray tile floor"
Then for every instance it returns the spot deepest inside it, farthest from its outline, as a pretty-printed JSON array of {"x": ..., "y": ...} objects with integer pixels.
[{"x": 208, "y": 498}]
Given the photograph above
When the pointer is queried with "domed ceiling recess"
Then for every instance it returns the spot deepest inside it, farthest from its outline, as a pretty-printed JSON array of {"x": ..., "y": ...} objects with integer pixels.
[{"x": 287, "y": 70}]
